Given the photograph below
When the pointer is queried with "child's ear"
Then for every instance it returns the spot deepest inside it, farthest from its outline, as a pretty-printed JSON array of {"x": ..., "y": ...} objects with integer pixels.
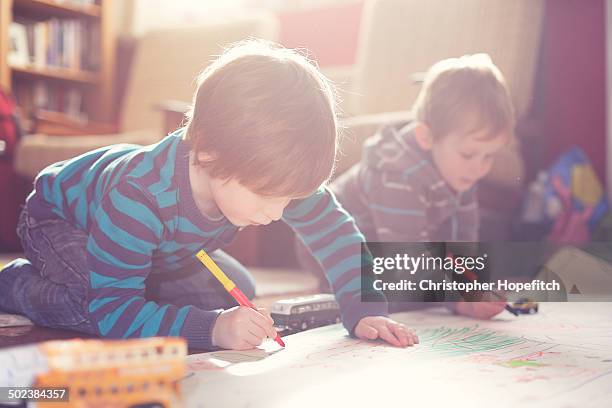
[{"x": 423, "y": 136}]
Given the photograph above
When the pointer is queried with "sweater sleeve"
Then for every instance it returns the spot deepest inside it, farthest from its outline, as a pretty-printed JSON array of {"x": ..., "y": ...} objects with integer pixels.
[
  {"x": 126, "y": 230},
  {"x": 332, "y": 237},
  {"x": 468, "y": 217},
  {"x": 398, "y": 209}
]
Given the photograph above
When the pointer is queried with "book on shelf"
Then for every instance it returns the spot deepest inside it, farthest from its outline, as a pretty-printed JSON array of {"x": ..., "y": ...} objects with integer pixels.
[
  {"x": 76, "y": 2},
  {"x": 18, "y": 55},
  {"x": 52, "y": 97},
  {"x": 60, "y": 43}
]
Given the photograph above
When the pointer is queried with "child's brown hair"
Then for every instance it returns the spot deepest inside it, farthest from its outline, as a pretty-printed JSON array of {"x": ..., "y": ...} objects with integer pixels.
[
  {"x": 468, "y": 93},
  {"x": 265, "y": 116}
]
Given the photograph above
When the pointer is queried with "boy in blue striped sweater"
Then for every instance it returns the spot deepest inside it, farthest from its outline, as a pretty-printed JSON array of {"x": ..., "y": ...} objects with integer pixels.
[{"x": 111, "y": 236}]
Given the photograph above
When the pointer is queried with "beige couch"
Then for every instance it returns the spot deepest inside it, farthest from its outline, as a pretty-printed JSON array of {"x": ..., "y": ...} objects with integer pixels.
[{"x": 400, "y": 39}]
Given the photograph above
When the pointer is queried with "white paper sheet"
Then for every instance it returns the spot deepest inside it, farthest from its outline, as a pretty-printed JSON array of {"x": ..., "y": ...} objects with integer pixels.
[{"x": 561, "y": 356}]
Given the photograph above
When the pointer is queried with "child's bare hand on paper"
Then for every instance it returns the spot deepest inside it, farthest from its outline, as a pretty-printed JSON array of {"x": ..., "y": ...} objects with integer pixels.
[
  {"x": 242, "y": 328},
  {"x": 384, "y": 328}
]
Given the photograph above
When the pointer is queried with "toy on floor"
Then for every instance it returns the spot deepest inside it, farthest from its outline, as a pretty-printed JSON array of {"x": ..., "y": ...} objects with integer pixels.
[
  {"x": 303, "y": 313},
  {"x": 88, "y": 373},
  {"x": 578, "y": 197},
  {"x": 525, "y": 306}
]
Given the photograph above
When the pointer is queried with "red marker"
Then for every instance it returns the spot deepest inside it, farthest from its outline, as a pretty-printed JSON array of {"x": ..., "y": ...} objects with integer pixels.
[{"x": 229, "y": 285}]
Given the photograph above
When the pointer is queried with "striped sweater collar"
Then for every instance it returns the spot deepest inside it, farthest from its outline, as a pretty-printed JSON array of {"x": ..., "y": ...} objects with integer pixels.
[{"x": 186, "y": 203}]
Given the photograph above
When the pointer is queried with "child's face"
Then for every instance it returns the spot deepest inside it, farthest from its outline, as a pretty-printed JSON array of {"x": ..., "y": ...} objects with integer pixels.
[
  {"x": 463, "y": 159},
  {"x": 242, "y": 207}
]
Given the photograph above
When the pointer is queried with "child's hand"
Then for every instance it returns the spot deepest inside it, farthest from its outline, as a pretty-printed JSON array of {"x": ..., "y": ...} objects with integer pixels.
[
  {"x": 379, "y": 327},
  {"x": 242, "y": 328},
  {"x": 479, "y": 310}
]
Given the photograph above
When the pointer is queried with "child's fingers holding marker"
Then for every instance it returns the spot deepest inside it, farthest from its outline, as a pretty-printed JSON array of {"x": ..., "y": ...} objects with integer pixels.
[
  {"x": 244, "y": 345},
  {"x": 258, "y": 332},
  {"x": 264, "y": 312},
  {"x": 264, "y": 322},
  {"x": 254, "y": 336},
  {"x": 271, "y": 332}
]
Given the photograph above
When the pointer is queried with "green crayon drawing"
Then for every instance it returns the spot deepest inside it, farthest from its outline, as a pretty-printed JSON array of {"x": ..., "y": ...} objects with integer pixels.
[
  {"x": 466, "y": 340},
  {"x": 521, "y": 363}
]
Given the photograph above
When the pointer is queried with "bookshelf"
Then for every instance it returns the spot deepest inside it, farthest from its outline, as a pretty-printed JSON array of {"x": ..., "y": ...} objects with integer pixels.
[{"x": 58, "y": 58}]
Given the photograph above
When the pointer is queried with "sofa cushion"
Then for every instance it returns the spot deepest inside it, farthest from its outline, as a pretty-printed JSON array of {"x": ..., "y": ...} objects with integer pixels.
[
  {"x": 35, "y": 152},
  {"x": 166, "y": 63},
  {"x": 402, "y": 37}
]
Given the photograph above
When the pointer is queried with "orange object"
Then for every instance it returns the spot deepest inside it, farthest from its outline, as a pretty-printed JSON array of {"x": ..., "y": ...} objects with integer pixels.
[{"x": 115, "y": 373}]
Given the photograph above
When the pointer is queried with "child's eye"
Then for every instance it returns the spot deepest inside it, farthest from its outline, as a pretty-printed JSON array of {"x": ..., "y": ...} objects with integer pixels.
[{"x": 467, "y": 156}]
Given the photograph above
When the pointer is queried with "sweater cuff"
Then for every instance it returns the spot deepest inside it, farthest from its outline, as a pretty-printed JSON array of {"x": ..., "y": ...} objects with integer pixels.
[{"x": 198, "y": 328}]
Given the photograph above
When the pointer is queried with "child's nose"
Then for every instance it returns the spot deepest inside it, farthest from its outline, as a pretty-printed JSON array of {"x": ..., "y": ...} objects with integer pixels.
[{"x": 485, "y": 166}]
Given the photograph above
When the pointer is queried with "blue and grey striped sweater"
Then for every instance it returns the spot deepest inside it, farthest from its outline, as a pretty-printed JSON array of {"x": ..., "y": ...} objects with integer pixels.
[{"x": 137, "y": 207}]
